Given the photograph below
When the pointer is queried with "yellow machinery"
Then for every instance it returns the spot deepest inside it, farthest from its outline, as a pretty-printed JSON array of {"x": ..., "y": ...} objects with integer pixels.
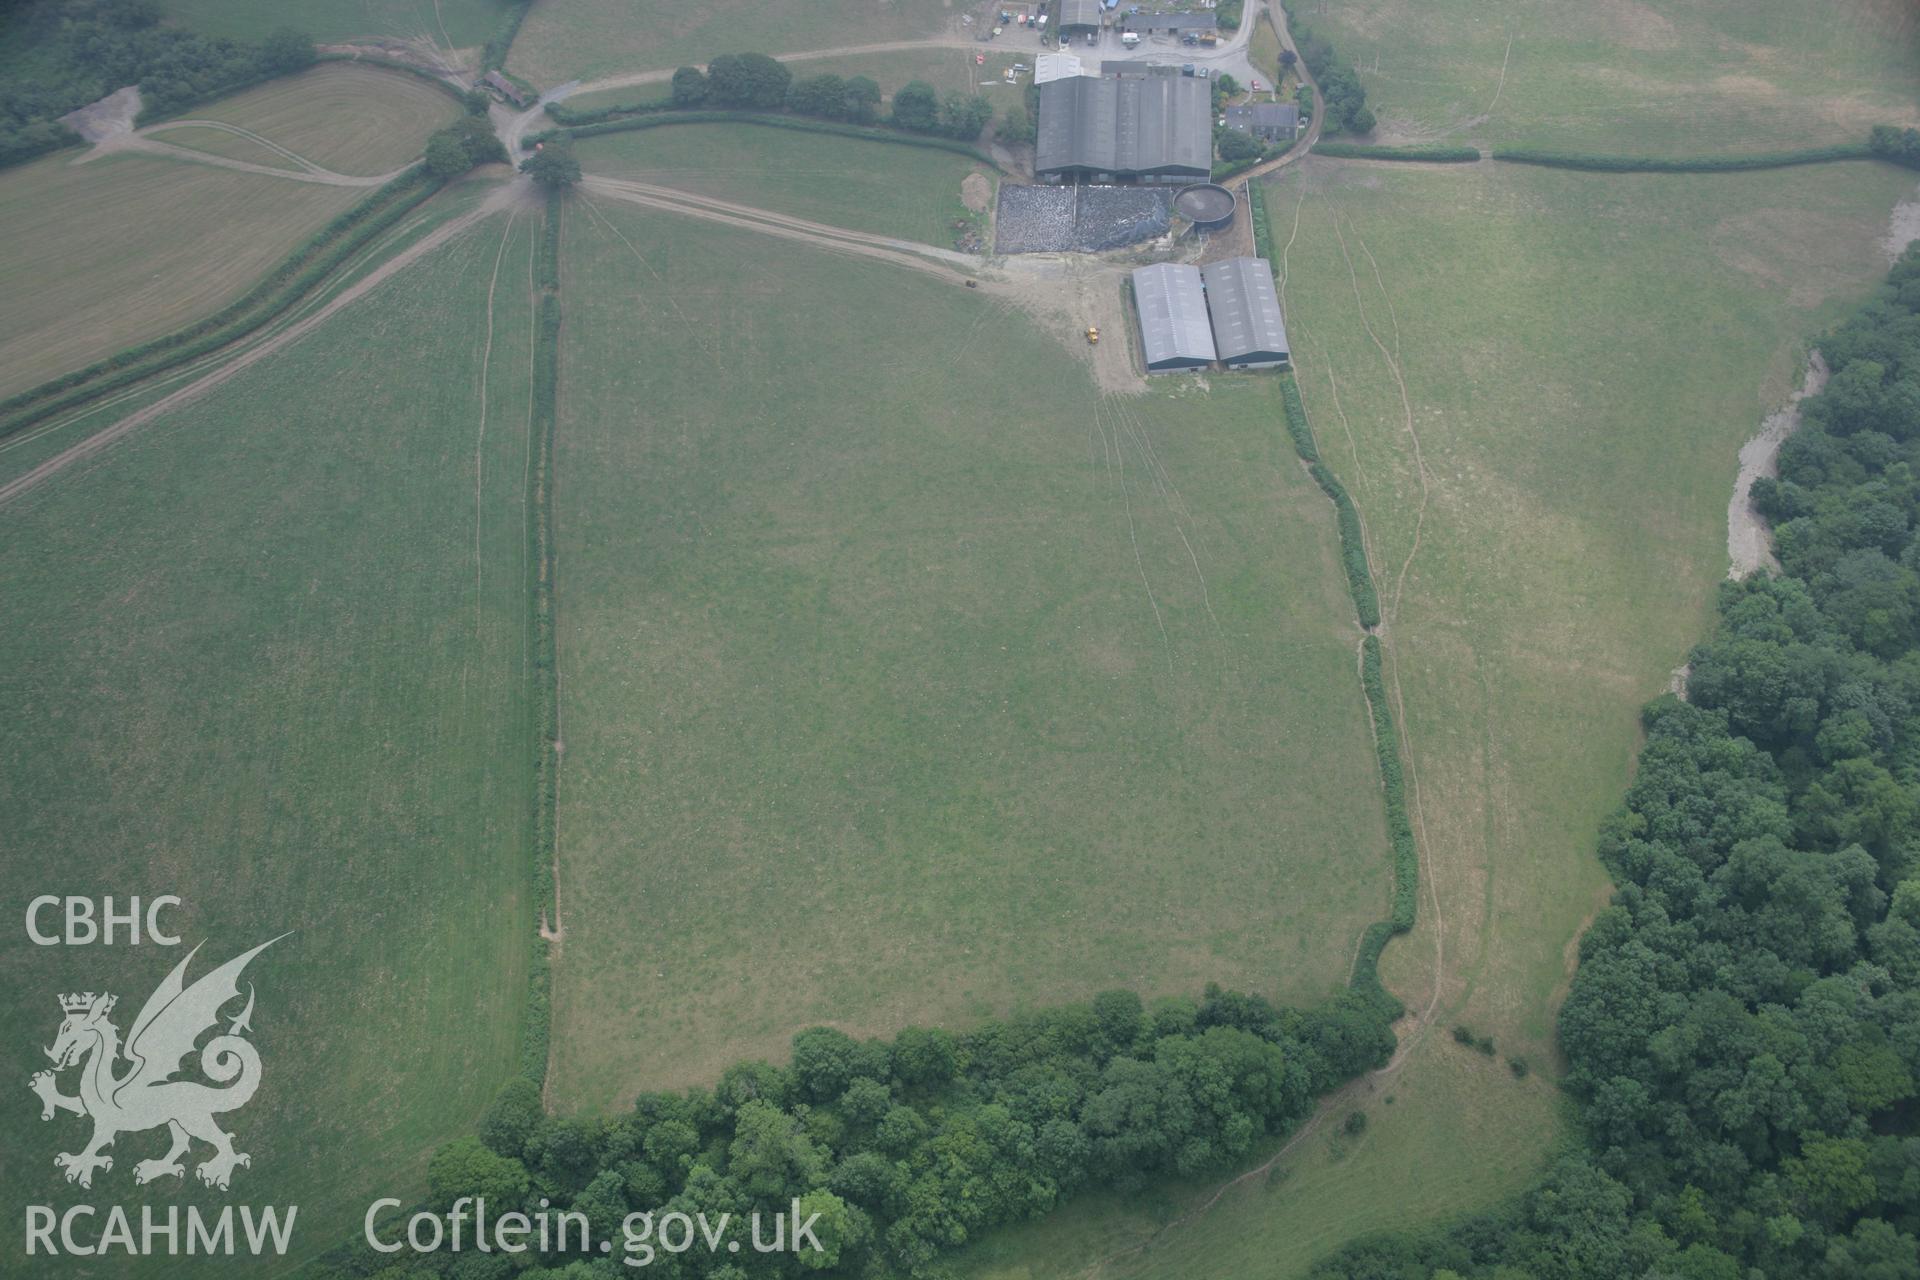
[{"x": 1093, "y": 335}]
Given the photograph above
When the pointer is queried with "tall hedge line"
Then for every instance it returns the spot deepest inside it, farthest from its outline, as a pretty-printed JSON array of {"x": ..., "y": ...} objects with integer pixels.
[
  {"x": 393, "y": 64},
  {"x": 546, "y": 693},
  {"x": 1353, "y": 548},
  {"x": 1427, "y": 155},
  {"x": 494, "y": 56},
  {"x": 573, "y": 118},
  {"x": 799, "y": 123},
  {"x": 298, "y": 273},
  {"x": 1386, "y": 746},
  {"x": 1683, "y": 164}
]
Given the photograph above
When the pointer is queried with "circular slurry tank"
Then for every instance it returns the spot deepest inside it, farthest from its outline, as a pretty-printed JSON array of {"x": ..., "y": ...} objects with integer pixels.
[{"x": 1208, "y": 205}]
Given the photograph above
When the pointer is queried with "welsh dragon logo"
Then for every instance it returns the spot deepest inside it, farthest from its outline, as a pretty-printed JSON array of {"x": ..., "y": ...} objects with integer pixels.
[{"x": 144, "y": 1095}]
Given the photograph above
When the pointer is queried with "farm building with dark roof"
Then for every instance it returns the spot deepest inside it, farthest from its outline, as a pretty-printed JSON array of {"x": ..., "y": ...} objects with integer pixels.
[
  {"x": 1157, "y": 129},
  {"x": 1078, "y": 16}
]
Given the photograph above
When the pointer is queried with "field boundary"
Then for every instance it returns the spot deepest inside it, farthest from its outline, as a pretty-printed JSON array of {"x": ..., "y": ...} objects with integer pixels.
[
  {"x": 537, "y": 1040},
  {"x": 655, "y": 120},
  {"x": 1601, "y": 163},
  {"x": 1425, "y": 155},
  {"x": 1366, "y": 605}
]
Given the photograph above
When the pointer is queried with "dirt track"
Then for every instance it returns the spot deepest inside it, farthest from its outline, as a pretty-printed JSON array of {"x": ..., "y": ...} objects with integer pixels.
[{"x": 944, "y": 263}]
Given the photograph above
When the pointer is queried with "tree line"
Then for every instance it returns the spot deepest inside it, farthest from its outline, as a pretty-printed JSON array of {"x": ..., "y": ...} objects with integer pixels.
[
  {"x": 1343, "y": 99},
  {"x": 1743, "y": 1031},
  {"x": 65, "y": 54},
  {"x": 910, "y": 1148},
  {"x": 756, "y": 82}
]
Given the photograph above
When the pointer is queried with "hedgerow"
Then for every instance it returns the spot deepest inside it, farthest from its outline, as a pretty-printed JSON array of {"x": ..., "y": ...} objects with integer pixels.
[
  {"x": 1683, "y": 164},
  {"x": 1426, "y": 155},
  {"x": 537, "y": 1032},
  {"x": 1386, "y": 746},
  {"x": 393, "y": 64},
  {"x": 573, "y": 118},
  {"x": 798, "y": 123},
  {"x": 296, "y": 275},
  {"x": 1353, "y": 546},
  {"x": 494, "y": 56}
]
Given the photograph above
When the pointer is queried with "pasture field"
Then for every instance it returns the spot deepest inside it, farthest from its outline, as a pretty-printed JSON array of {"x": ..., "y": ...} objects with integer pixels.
[
  {"x": 565, "y": 40},
  {"x": 906, "y": 678},
  {"x": 1642, "y": 77},
  {"x": 350, "y": 118},
  {"x": 1582, "y": 358},
  {"x": 446, "y": 24},
  {"x": 910, "y": 192},
  {"x": 272, "y": 657},
  {"x": 102, "y": 255}
]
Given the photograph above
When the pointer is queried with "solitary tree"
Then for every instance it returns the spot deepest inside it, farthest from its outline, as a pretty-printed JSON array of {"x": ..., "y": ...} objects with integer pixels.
[{"x": 553, "y": 165}]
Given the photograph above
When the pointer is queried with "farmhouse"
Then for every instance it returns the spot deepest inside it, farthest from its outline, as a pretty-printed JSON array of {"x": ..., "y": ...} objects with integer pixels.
[
  {"x": 1156, "y": 129},
  {"x": 1248, "y": 330},
  {"x": 1267, "y": 121},
  {"x": 1169, "y": 24},
  {"x": 1079, "y": 17},
  {"x": 1172, "y": 305}
]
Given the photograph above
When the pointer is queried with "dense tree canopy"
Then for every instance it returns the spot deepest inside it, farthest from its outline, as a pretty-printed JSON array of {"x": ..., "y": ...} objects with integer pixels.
[
  {"x": 748, "y": 80},
  {"x": 1743, "y": 1033},
  {"x": 911, "y": 1148},
  {"x": 64, "y": 54}
]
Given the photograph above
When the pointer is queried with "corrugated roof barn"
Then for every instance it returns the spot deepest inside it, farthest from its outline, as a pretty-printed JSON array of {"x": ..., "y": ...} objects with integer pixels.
[
  {"x": 1083, "y": 14},
  {"x": 1158, "y": 129},
  {"x": 1173, "y": 317},
  {"x": 1248, "y": 329}
]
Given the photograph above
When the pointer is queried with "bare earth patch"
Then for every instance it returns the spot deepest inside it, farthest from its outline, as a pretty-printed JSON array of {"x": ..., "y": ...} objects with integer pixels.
[
  {"x": 1903, "y": 226},
  {"x": 111, "y": 117},
  {"x": 976, "y": 192},
  {"x": 1749, "y": 538}
]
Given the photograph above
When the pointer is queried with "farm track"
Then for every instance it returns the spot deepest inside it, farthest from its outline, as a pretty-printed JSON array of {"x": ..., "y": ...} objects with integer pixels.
[
  {"x": 143, "y": 143},
  {"x": 108, "y": 436},
  {"x": 944, "y": 264}
]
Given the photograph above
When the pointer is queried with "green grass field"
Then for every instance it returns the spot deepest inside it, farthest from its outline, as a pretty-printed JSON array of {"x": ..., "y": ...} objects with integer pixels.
[
  {"x": 1643, "y": 77},
  {"x": 106, "y": 254},
  {"x": 270, "y": 656},
  {"x": 911, "y": 192},
  {"x": 869, "y": 714},
  {"x": 585, "y": 39},
  {"x": 1583, "y": 357},
  {"x": 447, "y": 24}
]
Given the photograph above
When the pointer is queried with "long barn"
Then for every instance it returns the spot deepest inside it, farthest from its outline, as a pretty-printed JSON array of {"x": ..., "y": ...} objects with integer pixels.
[
  {"x": 1248, "y": 329},
  {"x": 1174, "y": 333},
  {"x": 1137, "y": 129}
]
